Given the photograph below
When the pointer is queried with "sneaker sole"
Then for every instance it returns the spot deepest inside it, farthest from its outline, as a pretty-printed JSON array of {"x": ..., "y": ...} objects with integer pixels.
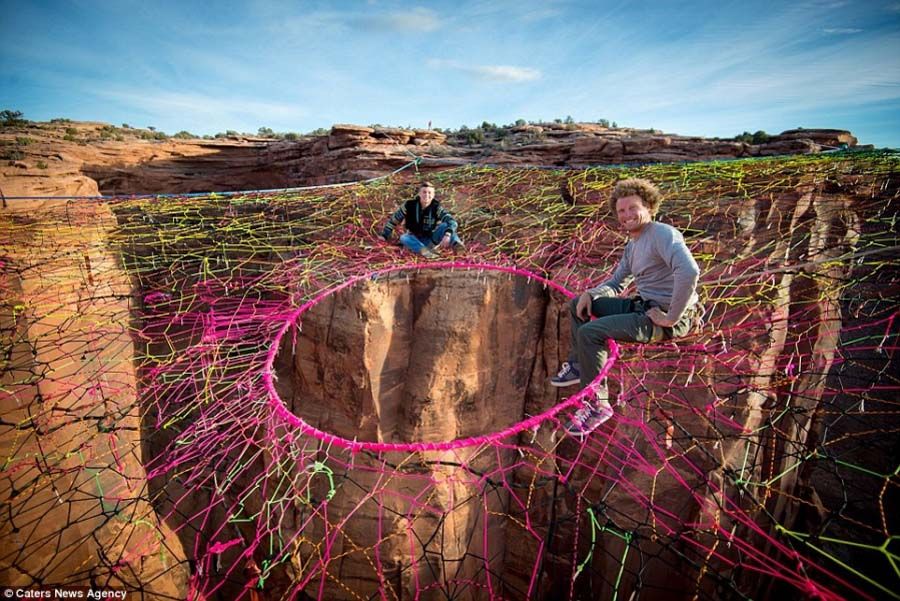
[{"x": 564, "y": 384}]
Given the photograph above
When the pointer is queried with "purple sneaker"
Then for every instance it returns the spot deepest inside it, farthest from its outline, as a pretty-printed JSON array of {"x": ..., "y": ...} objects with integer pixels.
[
  {"x": 568, "y": 375},
  {"x": 589, "y": 417}
]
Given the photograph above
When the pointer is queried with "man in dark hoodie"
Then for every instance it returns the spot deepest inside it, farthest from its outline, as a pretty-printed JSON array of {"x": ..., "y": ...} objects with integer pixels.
[{"x": 428, "y": 224}]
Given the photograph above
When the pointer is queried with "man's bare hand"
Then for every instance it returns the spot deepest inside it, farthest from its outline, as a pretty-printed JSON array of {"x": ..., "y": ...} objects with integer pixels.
[
  {"x": 659, "y": 318},
  {"x": 445, "y": 241},
  {"x": 583, "y": 308}
]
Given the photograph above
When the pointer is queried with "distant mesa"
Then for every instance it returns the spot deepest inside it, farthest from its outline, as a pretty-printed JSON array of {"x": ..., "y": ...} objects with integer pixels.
[{"x": 69, "y": 158}]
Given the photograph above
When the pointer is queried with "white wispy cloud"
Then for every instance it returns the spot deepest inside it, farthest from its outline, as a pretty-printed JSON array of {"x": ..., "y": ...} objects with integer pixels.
[
  {"x": 513, "y": 10},
  {"x": 842, "y": 30},
  {"x": 187, "y": 107},
  {"x": 415, "y": 20},
  {"x": 540, "y": 14},
  {"x": 823, "y": 4},
  {"x": 784, "y": 65},
  {"x": 495, "y": 73}
]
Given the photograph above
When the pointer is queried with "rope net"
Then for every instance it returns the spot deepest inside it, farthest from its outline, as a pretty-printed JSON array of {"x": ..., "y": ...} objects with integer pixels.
[{"x": 187, "y": 398}]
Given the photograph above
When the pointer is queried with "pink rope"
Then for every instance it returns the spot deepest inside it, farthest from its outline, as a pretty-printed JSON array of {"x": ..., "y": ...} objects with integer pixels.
[{"x": 278, "y": 406}]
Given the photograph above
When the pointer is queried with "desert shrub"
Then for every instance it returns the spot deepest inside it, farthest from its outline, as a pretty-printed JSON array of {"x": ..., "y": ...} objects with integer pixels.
[
  {"x": 13, "y": 154},
  {"x": 760, "y": 137},
  {"x": 41, "y": 165},
  {"x": 23, "y": 140},
  {"x": 184, "y": 135},
  {"x": 9, "y": 118},
  {"x": 152, "y": 135},
  {"x": 71, "y": 131}
]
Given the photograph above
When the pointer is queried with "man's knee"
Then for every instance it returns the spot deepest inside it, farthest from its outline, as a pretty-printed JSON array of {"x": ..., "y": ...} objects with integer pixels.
[
  {"x": 595, "y": 334},
  {"x": 410, "y": 241},
  {"x": 439, "y": 231}
]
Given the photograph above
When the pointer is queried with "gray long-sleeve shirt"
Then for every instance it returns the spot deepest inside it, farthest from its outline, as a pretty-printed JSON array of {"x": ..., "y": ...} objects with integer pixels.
[{"x": 663, "y": 269}]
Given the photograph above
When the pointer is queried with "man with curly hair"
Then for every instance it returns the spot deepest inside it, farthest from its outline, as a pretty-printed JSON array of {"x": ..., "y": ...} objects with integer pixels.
[{"x": 665, "y": 275}]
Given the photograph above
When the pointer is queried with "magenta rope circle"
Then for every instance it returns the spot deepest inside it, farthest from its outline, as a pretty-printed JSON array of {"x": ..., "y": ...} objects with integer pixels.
[{"x": 281, "y": 410}]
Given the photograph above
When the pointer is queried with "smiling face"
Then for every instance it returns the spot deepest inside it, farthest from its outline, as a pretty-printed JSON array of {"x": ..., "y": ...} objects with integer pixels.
[
  {"x": 426, "y": 195},
  {"x": 633, "y": 214}
]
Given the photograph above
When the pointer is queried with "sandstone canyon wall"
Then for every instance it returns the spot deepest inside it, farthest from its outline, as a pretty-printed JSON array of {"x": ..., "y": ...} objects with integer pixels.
[{"x": 48, "y": 162}]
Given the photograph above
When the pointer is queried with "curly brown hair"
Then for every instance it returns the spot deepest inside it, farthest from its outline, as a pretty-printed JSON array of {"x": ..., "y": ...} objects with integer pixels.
[{"x": 649, "y": 193}]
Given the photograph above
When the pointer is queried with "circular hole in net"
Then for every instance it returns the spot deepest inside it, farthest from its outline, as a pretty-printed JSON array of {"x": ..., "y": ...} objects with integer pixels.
[{"x": 419, "y": 356}]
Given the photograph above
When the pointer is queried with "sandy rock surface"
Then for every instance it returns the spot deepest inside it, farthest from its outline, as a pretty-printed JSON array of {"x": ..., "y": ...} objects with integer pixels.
[{"x": 86, "y": 159}]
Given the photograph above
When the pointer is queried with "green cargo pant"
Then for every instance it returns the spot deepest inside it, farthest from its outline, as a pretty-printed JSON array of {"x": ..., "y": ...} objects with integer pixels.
[{"x": 620, "y": 319}]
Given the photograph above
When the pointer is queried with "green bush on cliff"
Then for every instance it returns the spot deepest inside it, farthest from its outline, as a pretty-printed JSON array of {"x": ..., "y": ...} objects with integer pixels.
[
  {"x": 10, "y": 118},
  {"x": 760, "y": 137},
  {"x": 13, "y": 154},
  {"x": 152, "y": 135},
  {"x": 474, "y": 136}
]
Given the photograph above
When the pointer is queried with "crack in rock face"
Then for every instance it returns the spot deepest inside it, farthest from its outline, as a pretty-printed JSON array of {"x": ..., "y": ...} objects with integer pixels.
[{"x": 417, "y": 356}]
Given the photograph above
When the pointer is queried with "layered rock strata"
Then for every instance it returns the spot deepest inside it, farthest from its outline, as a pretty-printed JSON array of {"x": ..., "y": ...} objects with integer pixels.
[{"x": 50, "y": 165}]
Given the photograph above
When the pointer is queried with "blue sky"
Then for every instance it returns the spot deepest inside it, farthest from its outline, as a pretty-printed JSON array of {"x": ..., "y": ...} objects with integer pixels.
[{"x": 691, "y": 67}]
